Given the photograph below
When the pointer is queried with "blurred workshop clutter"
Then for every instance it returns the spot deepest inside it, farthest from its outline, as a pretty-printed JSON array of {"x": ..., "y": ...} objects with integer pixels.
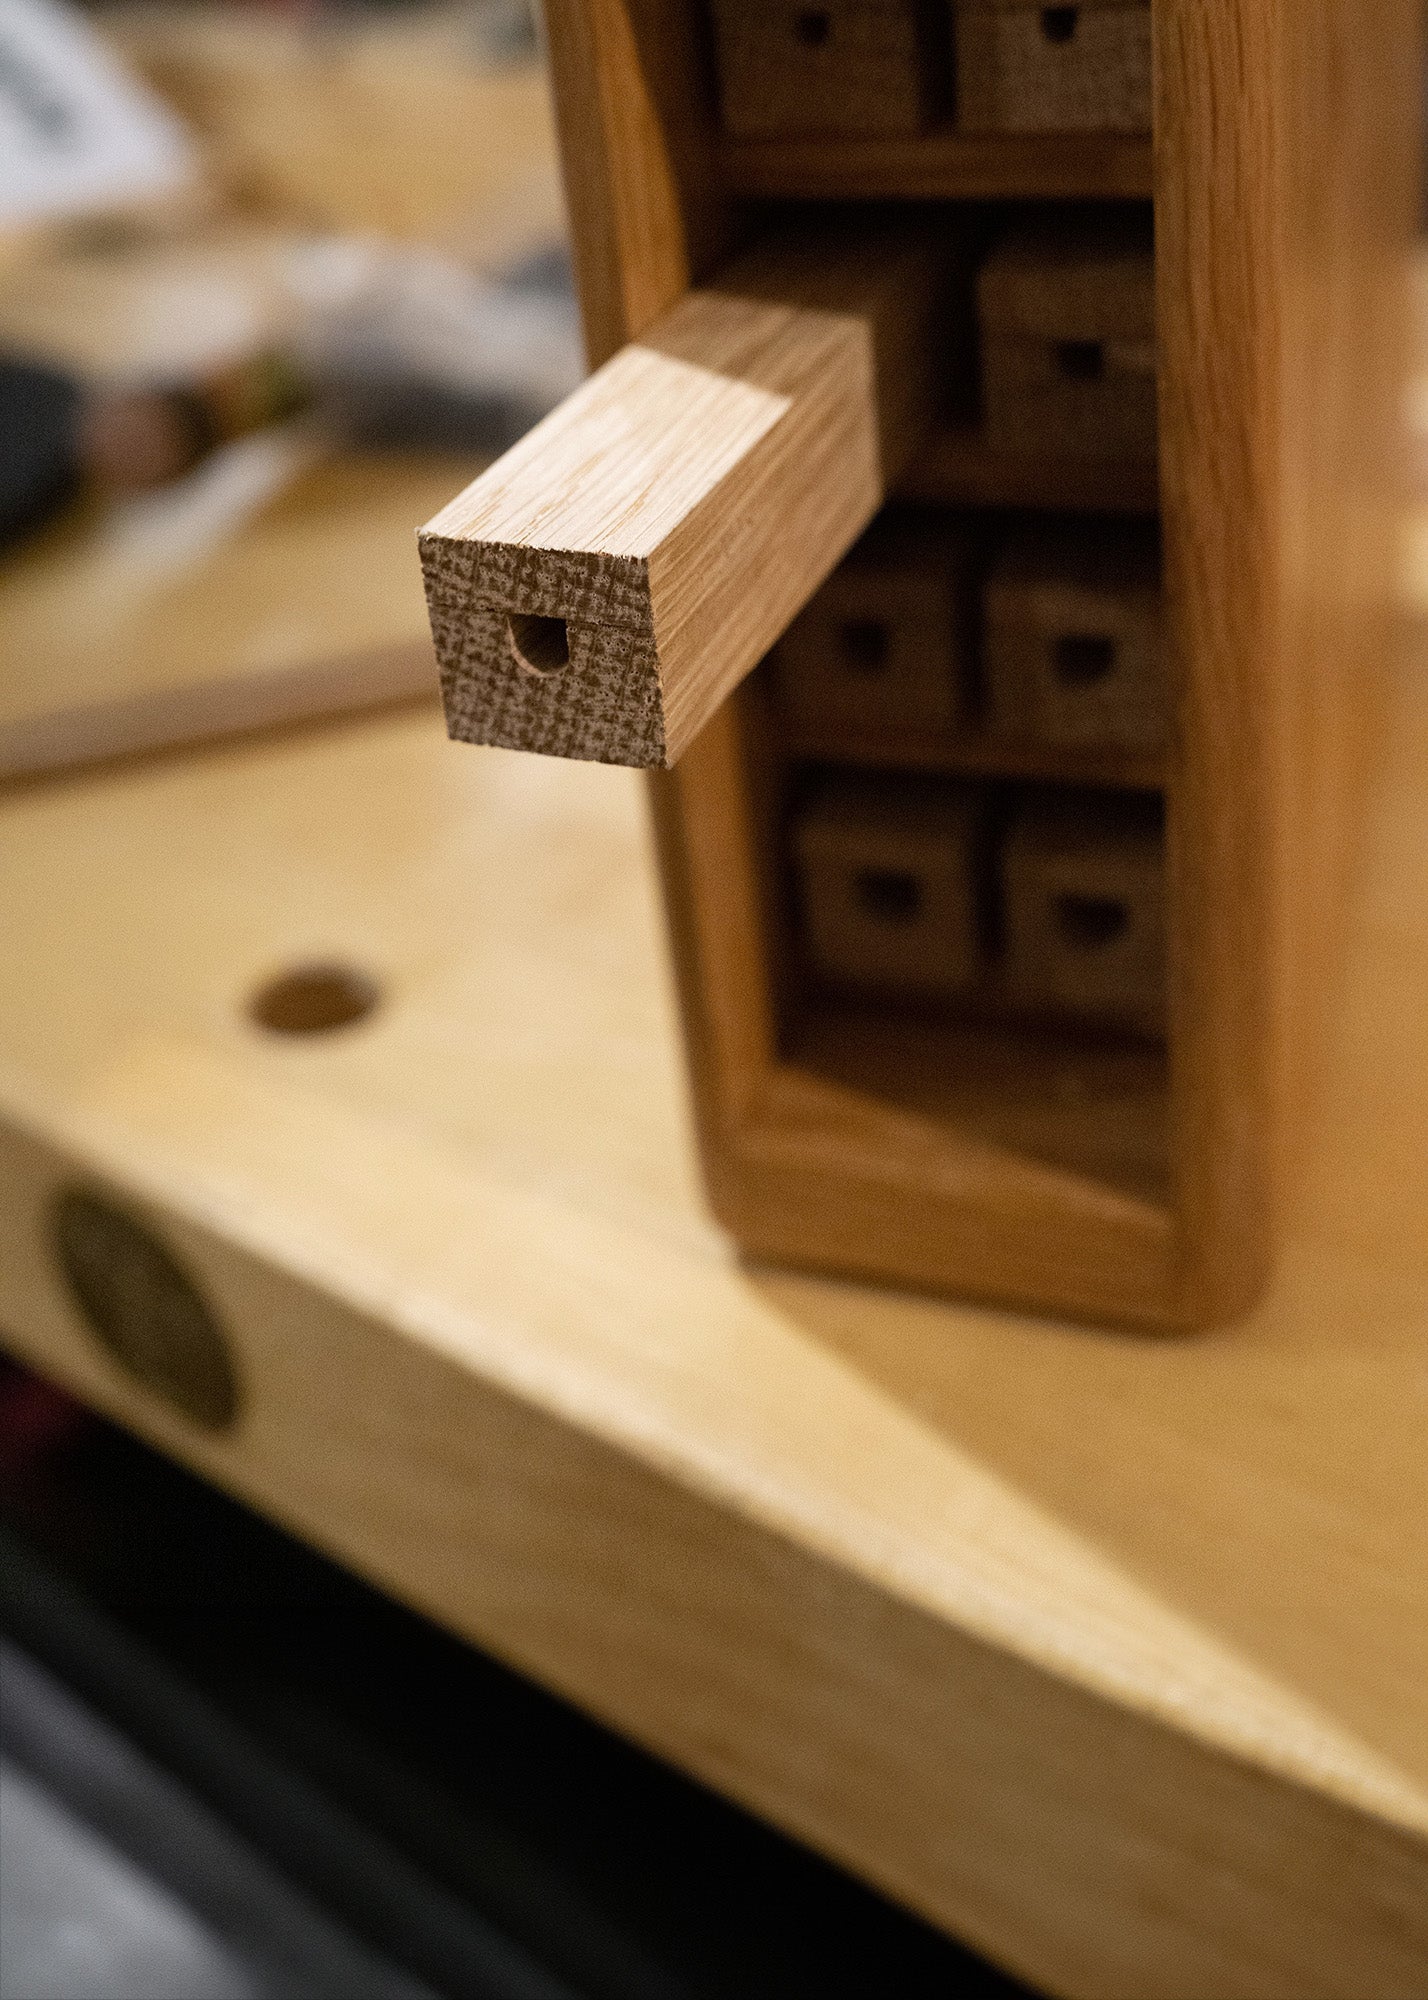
[{"x": 274, "y": 281}]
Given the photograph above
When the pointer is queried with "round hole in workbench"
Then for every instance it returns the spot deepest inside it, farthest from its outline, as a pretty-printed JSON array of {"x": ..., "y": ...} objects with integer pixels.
[
  {"x": 314, "y": 1000},
  {"x": 1059, "y": 24},
  {"x": 540, "y": 645}
]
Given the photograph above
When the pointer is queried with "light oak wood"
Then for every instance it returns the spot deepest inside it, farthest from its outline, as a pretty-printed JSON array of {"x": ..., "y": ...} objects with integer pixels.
[
  {"x": 664, "y": 525},
  {"x": 1267, "y": 247},
  {"x": 170, "y": 624},
  {"x": 941, "y": 165},
  {"x": 1072, "y": 653},
  {"x": 1105, "y": 1653}
]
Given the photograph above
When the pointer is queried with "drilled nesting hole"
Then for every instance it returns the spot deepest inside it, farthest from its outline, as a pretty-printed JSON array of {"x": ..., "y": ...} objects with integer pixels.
[
  {"x": 1081, "y": 360},
  {"x": 314, "y": 1000},
  {"x": 1091, "y": 923},
  {"x": 864, "y": 644},
  {"x": 812, "y": 27},
  {"x": 1083, "y": 658},
  {"x": 1059, "y": 24},
  {"x": 540, "y": 645},
  {"x": 889, "y": 895}
]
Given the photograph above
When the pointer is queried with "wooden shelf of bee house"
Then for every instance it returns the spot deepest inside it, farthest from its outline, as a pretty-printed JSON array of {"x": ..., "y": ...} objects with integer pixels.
[
  {"x": 657, "y": 544},
  {"x": 977, "y": 755},
  {"x": 941, "y": 165},
  {"x": 957, "y": 467},
  {"x": 1106, "y": 1653}
]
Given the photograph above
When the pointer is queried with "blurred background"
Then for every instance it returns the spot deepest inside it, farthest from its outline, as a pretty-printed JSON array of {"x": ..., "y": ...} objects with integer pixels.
[{"x": 275, "y": 282}]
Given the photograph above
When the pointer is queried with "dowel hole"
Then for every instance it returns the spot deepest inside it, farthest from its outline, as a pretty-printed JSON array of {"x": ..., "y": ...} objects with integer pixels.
[
  {"x": 314, "y": 1000},
  {"x": 864, "y": 644},
  {"x": 813, "y": 27},
  {"x": 1083, "y": 658},
  {"x": 889, "y": 895},
  {"x": 1081, "y": 360},
  {"x": 1059, "y": 24},
  {"x": 540, "y": 645},
  {"x": 1091, "y": 923}
]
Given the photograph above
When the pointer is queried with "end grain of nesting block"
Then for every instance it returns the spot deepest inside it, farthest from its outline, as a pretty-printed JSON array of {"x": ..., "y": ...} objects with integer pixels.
[
  {"x": 885, "y": 644},
  {"x": 887, "y": 871},
  {"x": 860, "y": 68},
  {"x": 1072, "y": 646},
  {"x": 1026, "y": 68},
  {"x": 1066, "y": 308},
  {"x": 1083, "y": 911}
]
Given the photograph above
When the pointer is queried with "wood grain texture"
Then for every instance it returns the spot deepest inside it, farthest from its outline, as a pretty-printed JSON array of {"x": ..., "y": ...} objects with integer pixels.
[
  {"x": 1105, "y": 1653},
  {"x": 228, "y": 610},
  {"x": 1015, "y": 73},
  {"x": 1286, "y": 169},
  {"x": 682, "y": 506},
  {"x": 1262, "y": 264},
  {"x": 854, "y": 66},
  {"x": 941, "y": 165}
]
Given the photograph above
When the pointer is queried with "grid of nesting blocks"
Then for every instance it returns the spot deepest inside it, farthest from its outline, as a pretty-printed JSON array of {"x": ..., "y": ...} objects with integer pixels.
[{"x": 971, "y": 710}]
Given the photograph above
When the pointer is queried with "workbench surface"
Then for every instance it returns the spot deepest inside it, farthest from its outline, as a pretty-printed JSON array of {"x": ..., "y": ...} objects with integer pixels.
[{"x": 1107, "y": 1652}]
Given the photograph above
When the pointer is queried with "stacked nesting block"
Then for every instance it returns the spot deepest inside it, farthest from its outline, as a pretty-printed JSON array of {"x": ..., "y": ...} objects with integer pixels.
[
  {"x": 870, "y": 67},
  {"x": 888, "y": 68},
  {"x": 1072, "y": 649},
  {"x": 1066, "y": 307},
  {"x": 1025, "y": 68}
]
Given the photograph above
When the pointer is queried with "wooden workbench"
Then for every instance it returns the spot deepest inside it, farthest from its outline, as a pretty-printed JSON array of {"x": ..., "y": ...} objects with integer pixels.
[{"x": 1111, "y": 1654}]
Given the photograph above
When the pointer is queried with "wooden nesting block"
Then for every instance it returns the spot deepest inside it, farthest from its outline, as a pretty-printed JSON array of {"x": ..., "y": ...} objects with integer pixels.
[
  {"x": 1027, "y": 68},
  {"x": 847, "y": 66},
  {"x": 1072, "y": 648},
  {"x": 884, "y": 644},
  {"x": 886, "y": 870},
  {"x": 602, "y": 588},
  {"x": 1083, "y": 911},
  {"x": 1067, "y": 314}
]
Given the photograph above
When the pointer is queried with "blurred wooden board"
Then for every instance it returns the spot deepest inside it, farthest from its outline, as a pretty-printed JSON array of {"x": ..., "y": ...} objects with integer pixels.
[
  {"x": 273, "y": 587},
  {"x": 404, "y": 124},
  {"x": 1106, "y": 1653}
]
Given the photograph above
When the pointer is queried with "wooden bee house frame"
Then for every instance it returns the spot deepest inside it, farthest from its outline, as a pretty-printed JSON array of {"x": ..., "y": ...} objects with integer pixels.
[{"x": 1135, "y": 1189}]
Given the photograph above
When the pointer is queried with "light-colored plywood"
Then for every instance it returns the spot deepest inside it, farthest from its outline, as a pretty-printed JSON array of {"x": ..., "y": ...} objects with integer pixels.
[
  {"x": 275, "y": 587},
  {"x": 1105, "y": 1653},
  {"x": 659, "y": 531}
]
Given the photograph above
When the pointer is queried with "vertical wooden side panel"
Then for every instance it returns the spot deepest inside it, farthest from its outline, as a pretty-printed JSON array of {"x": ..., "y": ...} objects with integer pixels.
[
  {"x": 1286, "y": 143},
  {"x": 1349, "y": 192},
  {"x": 634, "y": 114},
  {"x": 648, "y": 213},
  {"x": 1217, "y": 310}
]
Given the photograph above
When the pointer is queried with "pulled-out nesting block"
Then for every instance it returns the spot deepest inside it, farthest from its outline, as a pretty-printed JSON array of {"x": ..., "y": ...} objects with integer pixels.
[
  {"x": 846, "y": 66},
  {"x": 887, "y": 871},
  {"x": 1072, "y": 645},
  {"x": 1027, "y": 68},
  {"x": 885, "y": 643},
  {"x": 1083, "y": 911},
  {"x": 1066, "y": 307}
]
